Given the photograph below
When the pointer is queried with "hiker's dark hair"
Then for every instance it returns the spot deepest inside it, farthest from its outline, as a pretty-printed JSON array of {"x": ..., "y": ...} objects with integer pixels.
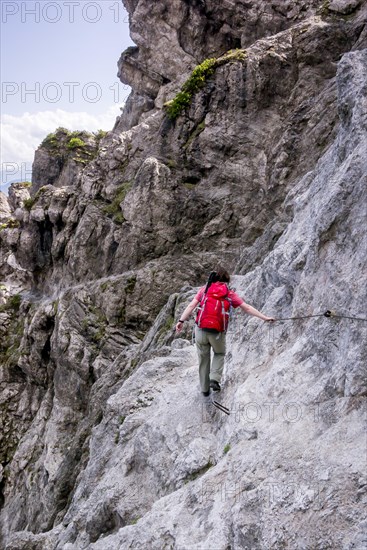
[{"x": 222, "y": 275}]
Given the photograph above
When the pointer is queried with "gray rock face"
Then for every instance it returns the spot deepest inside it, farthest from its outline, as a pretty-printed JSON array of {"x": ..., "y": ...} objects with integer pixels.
[
  {"x": 5, "y": 211},
  {"x": 106, "y": 441},
  {"x": 172, "y": 37}
]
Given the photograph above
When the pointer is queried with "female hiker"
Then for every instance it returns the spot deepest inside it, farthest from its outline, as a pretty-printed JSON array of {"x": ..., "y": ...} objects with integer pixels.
[{"x": 215, "y": 301}]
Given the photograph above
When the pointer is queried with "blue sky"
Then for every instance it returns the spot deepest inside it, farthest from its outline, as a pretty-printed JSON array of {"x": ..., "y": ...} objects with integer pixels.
[{"x": 58, "y": 68}]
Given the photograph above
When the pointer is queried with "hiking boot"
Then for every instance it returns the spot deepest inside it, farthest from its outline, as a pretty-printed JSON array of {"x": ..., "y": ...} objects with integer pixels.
[
  {"x": 206, "y": 393},
  {"x": 214, "y": 385}
]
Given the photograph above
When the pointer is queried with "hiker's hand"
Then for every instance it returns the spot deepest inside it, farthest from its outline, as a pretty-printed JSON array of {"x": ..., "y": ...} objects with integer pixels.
[
  {"x": 179, "y": 327},
  {"x": 269, "y": 319}
]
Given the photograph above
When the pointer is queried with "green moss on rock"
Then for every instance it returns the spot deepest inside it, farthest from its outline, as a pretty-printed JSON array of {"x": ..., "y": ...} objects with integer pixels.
[{"x": 130, "y": 284}]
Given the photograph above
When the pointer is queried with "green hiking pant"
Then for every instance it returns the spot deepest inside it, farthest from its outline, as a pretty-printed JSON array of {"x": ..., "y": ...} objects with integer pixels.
[{"x": 205, "y": 341}]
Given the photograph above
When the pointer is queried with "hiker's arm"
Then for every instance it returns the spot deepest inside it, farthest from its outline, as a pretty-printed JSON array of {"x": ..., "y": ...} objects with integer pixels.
[
  {"x": 186, "y": 314},
  {"x": 252, "y": 311}
]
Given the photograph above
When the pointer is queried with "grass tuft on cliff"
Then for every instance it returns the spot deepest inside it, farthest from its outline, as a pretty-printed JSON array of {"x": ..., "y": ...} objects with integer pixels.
[
  {"x": 76, "y": 142},
  {"x": 28, "y": 203},
  {"x": 81, "y": 146},
  {"x": 13, "y": 303},
  {"x": 10, "y": 224},
  {"x": 197, "y": 80},
  {"x": 113, "y": 210}
]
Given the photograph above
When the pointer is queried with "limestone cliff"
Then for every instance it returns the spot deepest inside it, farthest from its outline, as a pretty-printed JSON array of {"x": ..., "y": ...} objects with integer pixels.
[{"x": 260, "y": 163}]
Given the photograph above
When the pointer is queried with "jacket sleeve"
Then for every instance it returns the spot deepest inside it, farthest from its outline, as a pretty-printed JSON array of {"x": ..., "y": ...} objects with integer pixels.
[
  {"x": 236, "y": 300},
  {"x": 199, "y": 295}
]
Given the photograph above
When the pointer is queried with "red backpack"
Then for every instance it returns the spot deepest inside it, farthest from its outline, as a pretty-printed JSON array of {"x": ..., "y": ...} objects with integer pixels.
[{"x": 215, "y": 307}]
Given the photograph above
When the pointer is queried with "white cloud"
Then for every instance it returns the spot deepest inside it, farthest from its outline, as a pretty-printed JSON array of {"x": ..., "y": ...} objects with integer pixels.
[{"x": 21, "y": 135}]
